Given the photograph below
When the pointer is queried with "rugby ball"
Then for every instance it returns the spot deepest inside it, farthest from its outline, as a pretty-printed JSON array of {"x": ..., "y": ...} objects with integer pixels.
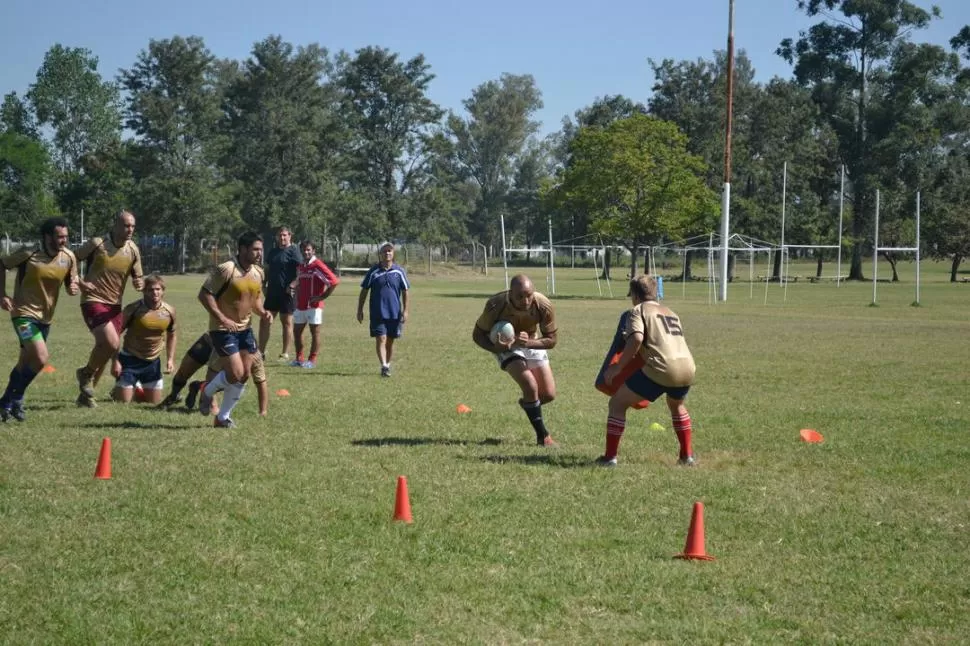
[{"x": 502, "y": 332}]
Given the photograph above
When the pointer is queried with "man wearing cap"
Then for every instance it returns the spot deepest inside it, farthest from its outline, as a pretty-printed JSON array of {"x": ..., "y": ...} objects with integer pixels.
[{"x": 388, "y": 285}]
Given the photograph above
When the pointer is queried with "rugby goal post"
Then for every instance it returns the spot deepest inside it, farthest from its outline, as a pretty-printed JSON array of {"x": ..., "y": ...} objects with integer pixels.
[{"x": 876, "y": 249}]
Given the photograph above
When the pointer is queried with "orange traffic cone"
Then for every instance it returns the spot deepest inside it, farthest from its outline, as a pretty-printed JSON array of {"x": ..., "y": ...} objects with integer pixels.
[
  {"x": 694, "y": 549},
  {"x": 282, "y": 392},
  {"x": 103, "y": 470},
  {"x": 402, "y": 504},
  {"x": 48, "y": 368},
  {"x": 461, "y": 408}
]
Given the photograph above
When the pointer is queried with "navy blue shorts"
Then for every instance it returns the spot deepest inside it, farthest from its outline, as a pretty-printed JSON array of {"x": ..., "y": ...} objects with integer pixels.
[
  {"x": 229, "y": 343},
  {"x": 136, "y": 370},
  {"x": 201, "y": 350},
  {"x": 386, "y": 327},
  {"x": 647, "y": 388}
]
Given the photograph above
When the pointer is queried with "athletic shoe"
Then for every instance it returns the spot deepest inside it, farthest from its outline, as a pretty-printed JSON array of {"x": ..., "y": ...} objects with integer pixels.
[
  {"x": 309, "y": 365},
  {"x": 170, "y": 400},
  {"x": 386, "y": 371},
  {"x": 603, "y": 461},
  {"x": 226, "y": 423},
  {"x": 205, "y": 402},
  {"x": 689, "y": 461},
  {"x": 4, "y": 412},
  {"x": 193, "y": 394},
  {"x": 17, "y": 410},
  {"x": 86, "y": 402},
  {"x": 284, "y": 357},
  {"x": 296, "y": 363},
  {"x": 85, "y": 381},
  {"x": 547, "y": 441}
]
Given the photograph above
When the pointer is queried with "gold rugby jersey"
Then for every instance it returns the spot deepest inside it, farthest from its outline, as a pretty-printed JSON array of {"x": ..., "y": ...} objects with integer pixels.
[
  {"x": 147, "y": 329},
  {"x": 109, "y": 266},
  {"x": 539, "y": 317},
  {"x": 236, "y": 292},
  {"x": 38, "y": 280}
]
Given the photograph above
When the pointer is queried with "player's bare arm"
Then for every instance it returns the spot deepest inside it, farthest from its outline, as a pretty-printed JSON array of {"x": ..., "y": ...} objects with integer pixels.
[
  {"x": 208, "y": 301},
  {"x": 547, "y": 342},
  {"x": 360, "y": 304},
  {"x": 5, "y": 301},
  {"x": 170, "y": 339},
  {"x": 261, "y": 311},
  {"x": 404, "y": 306},
  {"x": 633, "y": 344}
]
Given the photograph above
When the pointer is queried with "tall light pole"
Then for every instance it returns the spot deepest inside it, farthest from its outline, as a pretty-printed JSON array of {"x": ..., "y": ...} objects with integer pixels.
[{"x": 726, "y": 193}]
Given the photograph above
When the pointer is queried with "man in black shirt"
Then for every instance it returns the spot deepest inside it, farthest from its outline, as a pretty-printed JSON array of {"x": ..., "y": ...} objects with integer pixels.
[{"x": 280, "y": 268}]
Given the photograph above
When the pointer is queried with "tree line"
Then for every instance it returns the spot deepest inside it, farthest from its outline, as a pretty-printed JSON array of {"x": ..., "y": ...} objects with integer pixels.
[{"x": 349, "y": 146}]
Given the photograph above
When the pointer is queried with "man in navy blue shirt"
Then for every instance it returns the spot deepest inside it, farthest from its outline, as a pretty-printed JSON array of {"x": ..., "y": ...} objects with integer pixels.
[
  {"x": 280, "y": 266},
  {"x": 388, "y": 285}
]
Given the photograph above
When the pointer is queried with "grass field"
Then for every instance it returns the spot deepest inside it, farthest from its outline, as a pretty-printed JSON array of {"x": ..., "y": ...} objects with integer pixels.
[{"x": 280, "y": 531}]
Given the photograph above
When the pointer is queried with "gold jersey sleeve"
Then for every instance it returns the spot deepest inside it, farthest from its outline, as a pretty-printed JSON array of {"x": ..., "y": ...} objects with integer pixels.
[
  {"x": 147, "y": 329},
  {"x": 666, "y": 358},
  {"x": 236, "y": 292},
  {"x": 108, "y": 269},
  {"x": 540, "y": 317},
  {"x": 38, "y": 281}
]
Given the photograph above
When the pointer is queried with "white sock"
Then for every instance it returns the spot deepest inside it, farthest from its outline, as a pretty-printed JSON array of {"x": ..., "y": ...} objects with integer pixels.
[
  {"x": 229, "y": 400},
  {"x": 219, "y": 382}
]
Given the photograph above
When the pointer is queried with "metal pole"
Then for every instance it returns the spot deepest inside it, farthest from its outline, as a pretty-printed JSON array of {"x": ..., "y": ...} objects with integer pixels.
[
  {"x": 875, "y": 250},
  {"x": 726, "y": 195},
  {"x": 505, "y": 262},
  {"x": 838, "y": 273},
  {"x": 917, "y": 247},
  {"x": 552, "y": 252},
  {"x": 783, "y": 277}
]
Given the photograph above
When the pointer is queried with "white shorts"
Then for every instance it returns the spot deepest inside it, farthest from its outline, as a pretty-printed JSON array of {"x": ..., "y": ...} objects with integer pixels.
[
  {"x": 533, "y": 358},
  {"x": 312, "y": 316}
]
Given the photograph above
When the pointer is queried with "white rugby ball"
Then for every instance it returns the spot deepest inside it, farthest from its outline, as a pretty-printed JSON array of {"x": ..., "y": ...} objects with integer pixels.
[{"x": 502, "y": 332}]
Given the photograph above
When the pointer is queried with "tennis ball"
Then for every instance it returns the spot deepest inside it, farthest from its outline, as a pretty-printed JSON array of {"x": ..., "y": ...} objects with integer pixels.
[{"x": 656, "y": 426}]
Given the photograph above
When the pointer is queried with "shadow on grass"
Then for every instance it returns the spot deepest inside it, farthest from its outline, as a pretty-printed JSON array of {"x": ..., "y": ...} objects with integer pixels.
[
  {"x": 551, "y": 460},
  {"x": 144, "y": 425},
  {"x": 422, "y": 441}
]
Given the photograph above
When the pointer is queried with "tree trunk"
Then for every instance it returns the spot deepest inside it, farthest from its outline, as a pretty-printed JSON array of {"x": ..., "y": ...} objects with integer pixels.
[
  {"x": 891, "y": 258},
  {"x": 954, "y": 266},
  {"x": 858, "y": 234},
  {"x": 818, "y": 266},
  {"x": 607, "y": 263},
  {"x": 776, "y": 266},
  {"x": 730, "y": 273},
  {"x": 688, "y": 273},
  {"x": 633, "y": 260},
  {"x": 647, "y": 252}
]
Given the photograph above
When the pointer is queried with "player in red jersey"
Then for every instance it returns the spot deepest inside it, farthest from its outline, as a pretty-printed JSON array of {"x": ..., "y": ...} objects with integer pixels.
[{"x": 314, "y": 284}]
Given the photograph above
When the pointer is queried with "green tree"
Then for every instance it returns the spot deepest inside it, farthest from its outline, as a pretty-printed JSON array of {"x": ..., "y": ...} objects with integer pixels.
[
  {"x": 26, "y": 171},
  {"x": 285, "y": 136},
  {"x": 487, "y": 142},
  {"x": 173, "y": 107},
  {"x": 390, "y": 118},
  {"x": 638, "y": 181},
  {"x": 81, "y": 108},
  {"x": 838, "y": 58}
]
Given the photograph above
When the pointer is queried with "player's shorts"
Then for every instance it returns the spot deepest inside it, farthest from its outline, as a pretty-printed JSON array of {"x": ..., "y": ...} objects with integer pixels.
[
  {"x": 201, "y": 350},
  {"x": 135, "y": 370},
  {"x": 229, "y": 343},
  {"x": 647, "y": 388},
  {"x": 30, "y": 330},
  {"x": 393, "y": 328},
  {"x": 97, "y": 314},
  {"x": 279, "y": 302},
  {"x": 312, "y": 316},
  {"x": 533, "y": 357}
]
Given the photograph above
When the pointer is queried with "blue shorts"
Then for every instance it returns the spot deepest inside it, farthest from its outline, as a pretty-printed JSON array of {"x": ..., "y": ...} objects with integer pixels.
[
  {"x": 135, "y": 370},
  {"x": 387, "y": 327},
  {"x": 227, "y": 344},
  {"x": 647, "y": 388},
  {"x": 30, "y": 330}
]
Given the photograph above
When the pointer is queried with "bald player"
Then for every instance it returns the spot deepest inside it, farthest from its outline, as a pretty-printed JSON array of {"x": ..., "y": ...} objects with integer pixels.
[
  {"x": 524, "y": 357},
  {"x": 230, "y": 295},
  {"x": 110, "y": 261},
  {"x": 40, "y": 274},
  {"x": 147, "y": 325},
  {"x": 655, "y": 333}
]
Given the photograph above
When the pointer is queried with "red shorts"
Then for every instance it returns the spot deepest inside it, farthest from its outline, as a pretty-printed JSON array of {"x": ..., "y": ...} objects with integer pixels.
[{"x": 97, "y": 314}]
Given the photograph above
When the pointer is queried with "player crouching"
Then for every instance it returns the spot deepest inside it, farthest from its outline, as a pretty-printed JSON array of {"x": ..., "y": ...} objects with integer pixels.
[{"x": 146, "y": 325}]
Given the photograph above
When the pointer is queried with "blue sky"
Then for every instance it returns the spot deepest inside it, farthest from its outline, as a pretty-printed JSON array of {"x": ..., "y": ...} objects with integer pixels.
[{"x": 576, "y": 50}]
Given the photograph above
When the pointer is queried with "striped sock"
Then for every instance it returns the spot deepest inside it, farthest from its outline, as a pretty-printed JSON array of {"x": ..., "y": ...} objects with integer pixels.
[
  {"x": 682, "y": 429},
  {"x": 614, "y": 433}
]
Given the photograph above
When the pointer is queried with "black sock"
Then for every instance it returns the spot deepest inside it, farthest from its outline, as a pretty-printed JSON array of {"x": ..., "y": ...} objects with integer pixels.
[
  {"x": 177, "y": 386},
  {"x": 534, "y": 411}
]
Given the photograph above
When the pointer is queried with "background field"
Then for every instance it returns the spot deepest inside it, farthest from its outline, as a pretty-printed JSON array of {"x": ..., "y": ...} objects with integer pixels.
[{"x": 280, "y": 531}]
